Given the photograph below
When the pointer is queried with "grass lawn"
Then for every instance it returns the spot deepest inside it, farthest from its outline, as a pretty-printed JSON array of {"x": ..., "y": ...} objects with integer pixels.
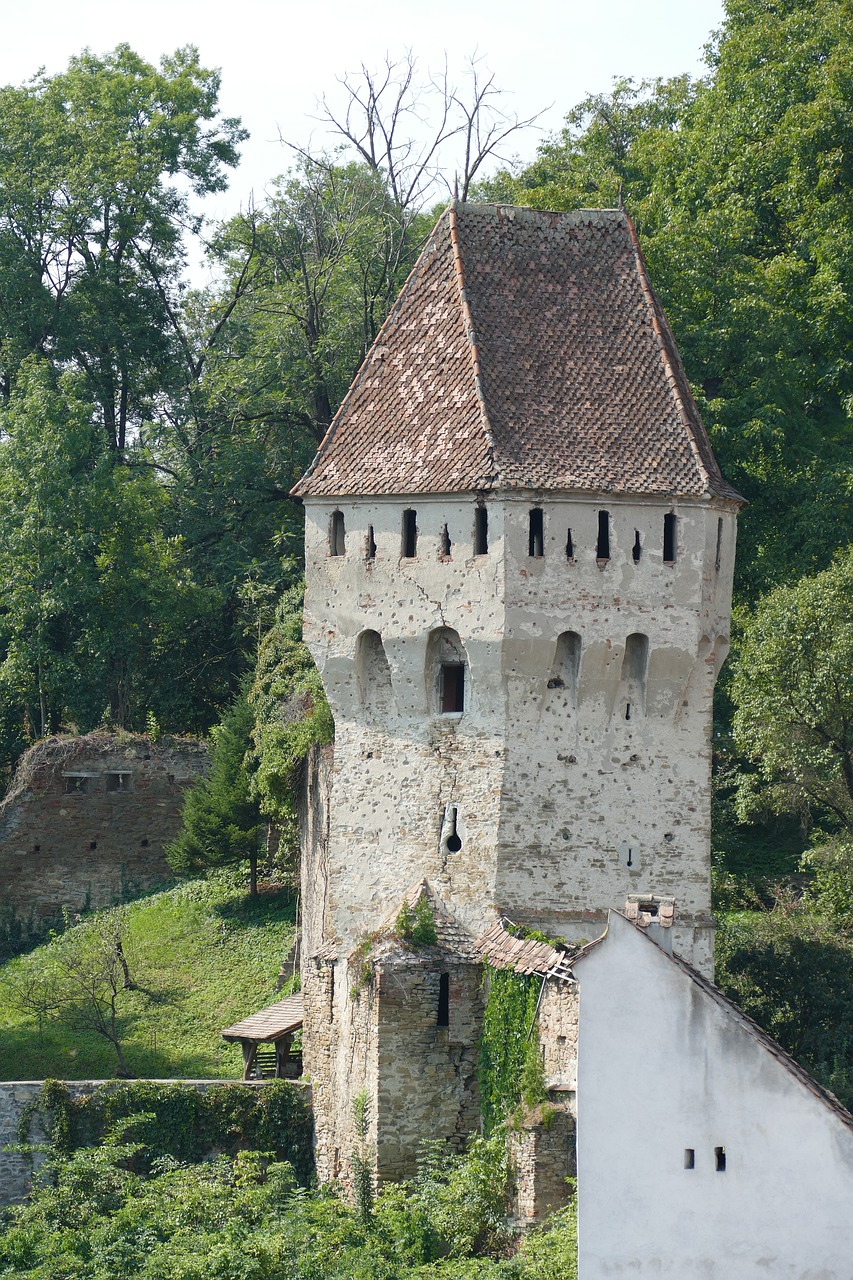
[{"x": 203, "y": 956}]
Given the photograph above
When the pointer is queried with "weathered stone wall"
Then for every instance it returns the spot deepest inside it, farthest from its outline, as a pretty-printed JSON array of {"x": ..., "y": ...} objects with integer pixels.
[
  {"x": 313, "y": 813},
  {"x": 566, "y": 801},
  {"x": 16, "y": 1095},
  {"x": 428, "y": 1085},
  {"x": 86, "y": 819},
  {"x": 543, "y": 1157},
  {"x": 558, "y": 1035}
]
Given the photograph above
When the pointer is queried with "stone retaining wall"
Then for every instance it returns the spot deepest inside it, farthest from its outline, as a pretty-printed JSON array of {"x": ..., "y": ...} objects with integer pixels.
[{"x": 16, "y": 1095}]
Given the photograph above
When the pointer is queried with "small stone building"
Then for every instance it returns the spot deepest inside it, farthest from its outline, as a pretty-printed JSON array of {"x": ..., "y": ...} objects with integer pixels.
[{"x": 87, "y": 818}]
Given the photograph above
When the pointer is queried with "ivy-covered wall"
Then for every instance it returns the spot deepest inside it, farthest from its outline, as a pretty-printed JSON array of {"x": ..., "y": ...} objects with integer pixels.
[{"x": 187, "y": 1120}]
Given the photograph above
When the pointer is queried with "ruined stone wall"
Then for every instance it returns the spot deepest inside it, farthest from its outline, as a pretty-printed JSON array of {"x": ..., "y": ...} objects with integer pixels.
[
  {"x": 564, "y": 802},
  {"x": 542, "y": 1152},
  {"x": 313, "y": 813},
  {"x": 340, "y": 1052},
  {"x": 428, "y": 1085},
  {"x": 16, "y": 1170},
  {"x": 86, "y": 819},
  {"x": 558, "y": 1036}
]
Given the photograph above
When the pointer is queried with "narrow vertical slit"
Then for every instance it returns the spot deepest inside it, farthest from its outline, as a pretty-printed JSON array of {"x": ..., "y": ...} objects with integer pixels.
[
  {"x": 570, "y": 550},
  {"x": 536, "y": 534},
  {"x": 481, "y": 531},
  {"x": 718, "y": 555},
  {"x": 670, "y": 537},
  {"x": 443, "y": 1017},
  {"x": 638, "y": 547},
  {"x": 602, "y": 550},
  {"x": 410, "y": 534},
  {"x": 370, "y": 553},
  {"x": 446, "y": 544}
]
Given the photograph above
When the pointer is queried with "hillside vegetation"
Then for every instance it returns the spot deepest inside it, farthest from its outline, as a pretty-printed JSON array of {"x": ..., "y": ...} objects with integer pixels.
[{"x": 201, "y": 956}]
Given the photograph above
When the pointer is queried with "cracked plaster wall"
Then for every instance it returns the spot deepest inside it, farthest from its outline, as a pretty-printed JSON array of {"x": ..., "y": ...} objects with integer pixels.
[{"x": 552, "y": 788}]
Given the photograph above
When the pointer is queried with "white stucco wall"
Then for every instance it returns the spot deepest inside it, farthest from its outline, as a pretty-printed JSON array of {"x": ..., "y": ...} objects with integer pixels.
[
  {"x": 662, "y": 1068},
  {"x": 549, "y": 784}
]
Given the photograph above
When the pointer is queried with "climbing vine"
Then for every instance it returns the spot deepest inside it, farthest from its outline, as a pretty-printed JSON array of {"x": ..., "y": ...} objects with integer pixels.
[
  {"x": 165, "y": 1119},
  {"x": 510, "y": 1064}
]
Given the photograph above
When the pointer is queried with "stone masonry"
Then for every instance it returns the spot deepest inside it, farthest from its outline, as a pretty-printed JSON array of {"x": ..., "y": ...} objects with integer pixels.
[{"x": 87, "y": 818}]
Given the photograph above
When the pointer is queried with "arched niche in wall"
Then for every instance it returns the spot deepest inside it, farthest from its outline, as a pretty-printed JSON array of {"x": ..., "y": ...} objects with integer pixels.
[
  {"x": 373, "y": 672},
  {"x": 565, "y": 669},
  {"x": 447, "y": 677},
  {"x": 635, "y": 664}
]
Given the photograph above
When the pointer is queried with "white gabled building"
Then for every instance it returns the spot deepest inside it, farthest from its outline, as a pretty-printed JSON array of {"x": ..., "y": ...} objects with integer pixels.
[{"x": 704, "y": 1151}]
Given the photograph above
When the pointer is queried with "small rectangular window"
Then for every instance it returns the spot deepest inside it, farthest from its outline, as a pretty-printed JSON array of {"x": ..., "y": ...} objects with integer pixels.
[
  {"x": 602, "y": 549},
  {"x": 536, "y": 535},
  {"x": 337, "y": 534},
  {"x": 118, "y": 782},
  {"x": 445, "y": 544},
  {"x": 481, "y": 531},
  {"x": 76, "y": 786},
  {"x": 410, "y": 534},
  {"x": 718, "y": 555},
  {"x": 443, "y": 1018},
  {"x": 689, "y": 1158},
  {"x": 670, "y": 537},
  {"x": 720, "y": 1159},
  {"x": 370, "y": 549},
  {"x": 452, "y": 688}
]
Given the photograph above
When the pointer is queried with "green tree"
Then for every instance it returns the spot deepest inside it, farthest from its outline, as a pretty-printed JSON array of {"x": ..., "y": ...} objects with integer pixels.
[
  {"x": 100, "y": 613},
  {"x": 221, "y": 820},
  {"x": 96, "y": 166},
  {"x": 793, "y": 691}
]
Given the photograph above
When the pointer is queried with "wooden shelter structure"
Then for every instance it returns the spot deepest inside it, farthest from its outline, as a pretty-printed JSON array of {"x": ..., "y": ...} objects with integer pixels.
[{"x": 275, "y": 1026}]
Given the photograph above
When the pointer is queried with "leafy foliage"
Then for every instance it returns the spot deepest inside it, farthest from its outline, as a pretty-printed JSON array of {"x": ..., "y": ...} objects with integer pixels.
[
  {"x": 221, "y": 820},
  {"x": 791, "y": 971},
  {"x": 510, "y": 1067},
  {"x": 291, "y": 712},
  {"x": 793, "y": 689},
  {"x": 416, "y": 927}
]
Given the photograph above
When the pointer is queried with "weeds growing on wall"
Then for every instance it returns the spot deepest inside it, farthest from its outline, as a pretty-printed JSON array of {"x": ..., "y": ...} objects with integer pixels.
[
  {"x": 173, "y": 1121},
  {"x": 416, "y": 928},
  {"x": 510, "y": 1064}
]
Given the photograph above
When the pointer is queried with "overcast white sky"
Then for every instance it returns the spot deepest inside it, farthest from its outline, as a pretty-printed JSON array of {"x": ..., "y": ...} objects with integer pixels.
[{"x": 278, "y": 58}]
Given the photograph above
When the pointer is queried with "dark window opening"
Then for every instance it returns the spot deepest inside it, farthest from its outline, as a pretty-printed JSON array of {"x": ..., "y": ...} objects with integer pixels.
[
  {"x": 718, "y": 555},
  {"x": 93, "y": 844},
  {"x": 454, "y": 840},
  {"x": 536, "y": 535},
  {"x": 670, "y": 532},
  {"x": 446, "y": 544},
  {"x": 36, "y": 848},
  {"x": 570, "y": 550},
  {"x": 627, "y": 711},
  {"x": 144, "y": 842},
  {"x": 481, "y": 531},
  {"x": 337, "y": 534},
  {"x": 602, "y": 549},
  {"x": 452, "y": 687},
  {"x": 410, "y": 534},
  {"x": 118, "y": 782},
  {"x": 689, "y": 1158},
  {"x": 638, "y": 547},
  {"x": 76, "y": 786},
  {"x": 331, "y": 988},
  {"x": 370, "y": 553},
  {"x": 720, "y": 1159},
  {"x": 443, "y": 1018}
]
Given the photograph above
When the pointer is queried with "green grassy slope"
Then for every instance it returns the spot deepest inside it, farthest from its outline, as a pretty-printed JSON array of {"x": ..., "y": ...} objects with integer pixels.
[{"x": 203, "y": 956}]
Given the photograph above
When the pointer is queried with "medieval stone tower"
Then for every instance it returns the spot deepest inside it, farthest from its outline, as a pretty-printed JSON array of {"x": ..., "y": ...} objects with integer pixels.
[{"x": 519, "y": 554}]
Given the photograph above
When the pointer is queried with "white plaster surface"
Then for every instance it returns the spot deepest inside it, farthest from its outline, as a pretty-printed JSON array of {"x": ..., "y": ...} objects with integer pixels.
[{"x": 662, "y": 1067}]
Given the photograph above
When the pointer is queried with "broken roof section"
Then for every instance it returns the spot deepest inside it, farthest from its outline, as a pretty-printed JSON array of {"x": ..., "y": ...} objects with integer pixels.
[
  {"x": 503, "y": 949},
  {"x": 527, "y": 350}
]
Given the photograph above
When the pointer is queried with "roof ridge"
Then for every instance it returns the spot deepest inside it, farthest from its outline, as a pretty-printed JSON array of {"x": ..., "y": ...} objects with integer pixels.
[{"x": 470, "y": 331}]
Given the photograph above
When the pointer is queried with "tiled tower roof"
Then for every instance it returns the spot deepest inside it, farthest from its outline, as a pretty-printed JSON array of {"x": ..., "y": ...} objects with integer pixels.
[{"x": 526, "y": 350}]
